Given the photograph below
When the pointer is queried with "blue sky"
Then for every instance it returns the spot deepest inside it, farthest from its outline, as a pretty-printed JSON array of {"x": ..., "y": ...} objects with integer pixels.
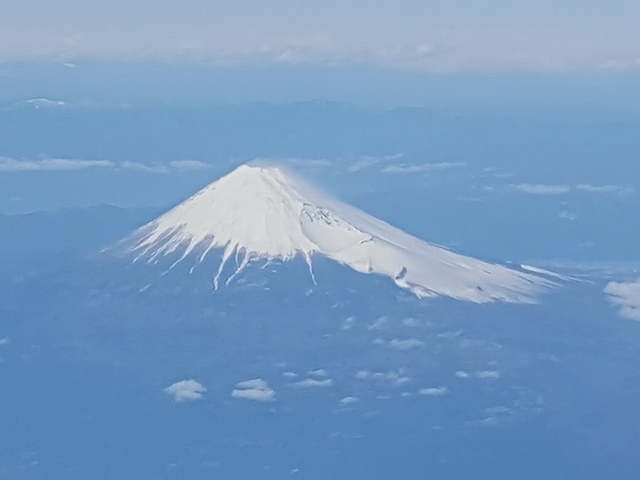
[{"x": 435, "y": 35}]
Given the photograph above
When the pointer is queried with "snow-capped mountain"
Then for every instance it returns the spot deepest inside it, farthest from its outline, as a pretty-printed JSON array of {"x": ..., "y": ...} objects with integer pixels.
[{"x": 260, "y": 213}]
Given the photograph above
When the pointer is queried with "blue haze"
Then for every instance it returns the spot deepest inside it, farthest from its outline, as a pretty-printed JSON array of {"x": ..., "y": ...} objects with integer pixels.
[{"x": 509, "y": 168}]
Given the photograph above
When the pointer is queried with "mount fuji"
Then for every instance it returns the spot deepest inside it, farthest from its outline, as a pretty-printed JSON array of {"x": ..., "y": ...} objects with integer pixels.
[{"x": 265, "y": 214}]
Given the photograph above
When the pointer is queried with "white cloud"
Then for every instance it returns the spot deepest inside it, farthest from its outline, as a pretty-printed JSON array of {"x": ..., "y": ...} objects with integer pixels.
[
  {"x": 289, "y": 374},
  {"x": 598, "y": 188},
  {"x": 462, "y": 374},
  {"x": 255, "y": 389},
  {"x": 433, "y": 391},
  {"x": 379, "y": 323},
  {"x": 363, "y": 375},
  {"x": 185, "y": 390},
  {"x": 432, "y": 48},
  {"x": 626, "y": 296},
  {"x": 540, "y": 189},
  {"x": 421, "y": 168},
  {"x": 188, "y": 165},
  {"x": 367, "y": 162},
  {"x": 321, "y": 372},
  {"x": 65, "y": 165},
  {"x": 394, "y": 378},
  {"x": 51, "y": 164},
  {"x": 348, "y": 323},
  {"x": 45, "y": 102},
  {"x": 411, "y": 322},
  {"x": 312, "y": 383},
  {"x": 612, "y": 189},
  {"x": 348, "y": 401},
  {"x": 141, "y": 167},
  {"x": 488, "y": 374},
  {"x": 406, "y": 344},
  {"x": 4, "y": 341}
]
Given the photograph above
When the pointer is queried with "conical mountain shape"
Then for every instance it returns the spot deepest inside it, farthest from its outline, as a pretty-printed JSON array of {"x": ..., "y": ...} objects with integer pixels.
[{"x": 268, "y": 213}]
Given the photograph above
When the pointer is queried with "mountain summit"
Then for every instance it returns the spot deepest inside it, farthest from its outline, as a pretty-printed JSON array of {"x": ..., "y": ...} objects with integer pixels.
[{"x": 258, "y": 213}]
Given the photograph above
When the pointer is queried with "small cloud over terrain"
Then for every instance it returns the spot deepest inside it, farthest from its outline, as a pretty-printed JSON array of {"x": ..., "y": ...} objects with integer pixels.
[
  {"x": 540, "y": 189},
  {"x": 611, "y": 189},
  {"x": 393, "y": 378},
  {"x": 186, "y": 390},
  {"x": 626, "y": 296},
  {"x": 406, "y": 344},
  {"x": 421, "y": 168},
  {"x": 312, "y": 383},
  {"x": 256, "y": 389},
  {"x": 45, "y": 102},
  {"x": 433, "y": 391},
  {"x": 559, "y": 189}
]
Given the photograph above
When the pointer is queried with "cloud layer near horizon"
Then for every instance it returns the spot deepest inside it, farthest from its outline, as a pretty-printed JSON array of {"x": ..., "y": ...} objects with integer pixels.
[
  {"x": 436, "y": 49},
  {"x": 9, "y": 165}
]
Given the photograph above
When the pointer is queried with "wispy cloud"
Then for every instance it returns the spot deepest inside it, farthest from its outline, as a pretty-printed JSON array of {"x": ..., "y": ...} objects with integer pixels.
[
  {"x": 51, "y": 164},
  {"x": 312, "y": 383},
  {"x": 540, "y": 189},
  {"x": 363, "y": 164},
  {"x": 141, "y": 167},
  {"x": 45, "y": 103},
  {"x": 493, "y": 417},
  {"x": 188, "y": 165},
  {"x": 406, "y": 344},
  {"x": 11, "y": 165},
  {"x": 394, "y": 378},
  {"x": 613, "y": 189},
  {"x": 626, "y": 296},
  {"x": 367, "y": 161},
  {"x": 186, "y": 390},
  {"x": 561, "y": 189},
  {"x": 421, "y": 168},
  {"x": 255, "y": 389}
]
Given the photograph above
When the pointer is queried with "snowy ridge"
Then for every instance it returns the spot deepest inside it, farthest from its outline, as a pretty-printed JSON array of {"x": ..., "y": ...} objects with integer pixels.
[{"x": 267, "y": 213}]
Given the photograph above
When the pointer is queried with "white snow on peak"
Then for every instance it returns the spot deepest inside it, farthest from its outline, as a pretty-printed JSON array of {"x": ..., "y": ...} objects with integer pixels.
[{"x": 268, "y": 213}]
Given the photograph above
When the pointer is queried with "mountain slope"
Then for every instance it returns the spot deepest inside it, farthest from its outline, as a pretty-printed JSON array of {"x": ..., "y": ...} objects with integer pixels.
[{"x": 267, "y": 213}]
